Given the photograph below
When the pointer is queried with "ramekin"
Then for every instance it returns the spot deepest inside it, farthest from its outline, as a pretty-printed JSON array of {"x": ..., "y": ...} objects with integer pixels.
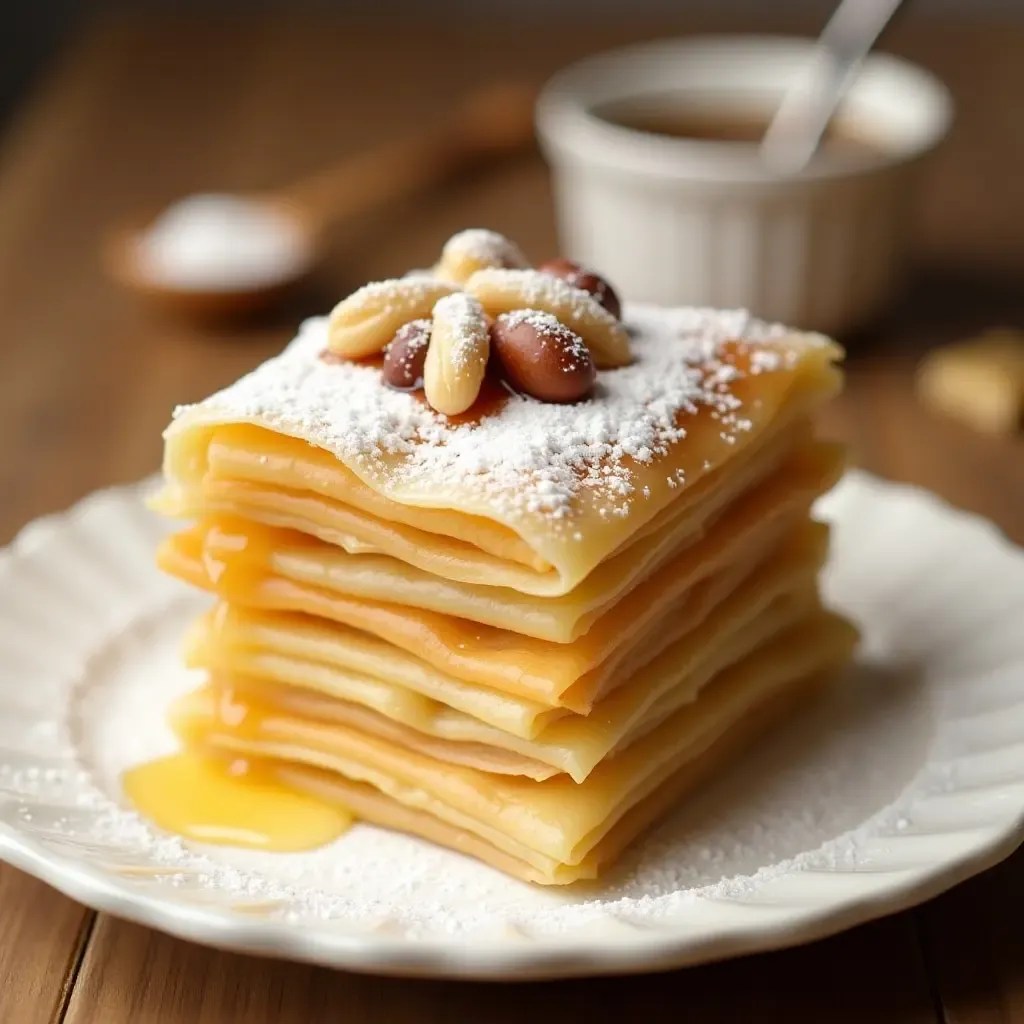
[{"x": 696, "y": 222}]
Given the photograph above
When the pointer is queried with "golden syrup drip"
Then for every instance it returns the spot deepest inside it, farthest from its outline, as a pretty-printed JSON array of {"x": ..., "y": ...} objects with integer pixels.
[
  {"x": 236, "y": 556},
  {"x": 230, "y": 803},
  {"x": 494, "y": 395}
]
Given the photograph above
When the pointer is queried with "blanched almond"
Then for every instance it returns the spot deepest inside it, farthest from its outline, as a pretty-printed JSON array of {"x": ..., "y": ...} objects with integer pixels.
[
  {"x": 457, "y": 354},
  {"x": 476, "y": 249},
  {"x": 362, "y": 324}
]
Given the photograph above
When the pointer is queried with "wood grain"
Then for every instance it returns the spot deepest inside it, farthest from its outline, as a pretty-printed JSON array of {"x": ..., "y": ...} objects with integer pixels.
[
  {"x": 134, "y": 976},
  {"x": 146, "y": 108},
  {"x": 42, "y": 937},
  {"x": 974, "y": 947}
]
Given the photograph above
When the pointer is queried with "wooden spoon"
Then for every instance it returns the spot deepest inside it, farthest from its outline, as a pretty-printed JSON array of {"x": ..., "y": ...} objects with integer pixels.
[{"x": 494, "y": 122}]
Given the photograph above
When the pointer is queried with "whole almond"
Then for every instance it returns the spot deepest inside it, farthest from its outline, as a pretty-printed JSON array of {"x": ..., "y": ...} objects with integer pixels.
[
  {"x": 367, "y": 320},
  {"x": 541, "y": 357},
  {"x": 502, "y": 291},
  {"x": 457, "y": 355}
]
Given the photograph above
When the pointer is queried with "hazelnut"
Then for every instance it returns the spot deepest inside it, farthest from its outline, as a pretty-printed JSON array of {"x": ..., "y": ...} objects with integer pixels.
[
  {"x": 405, "y": 355},
  {"x": 579, "y": 277},
  {"x": 542, "y": 357},
  {"x": 560, "y": 266}
]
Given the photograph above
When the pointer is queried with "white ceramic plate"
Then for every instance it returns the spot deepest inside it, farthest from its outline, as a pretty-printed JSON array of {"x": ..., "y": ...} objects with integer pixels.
[{"x": 907, "y": 779}]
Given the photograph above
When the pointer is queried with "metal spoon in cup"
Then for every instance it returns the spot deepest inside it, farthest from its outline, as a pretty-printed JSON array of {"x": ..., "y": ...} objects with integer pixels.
[{"x": 802, "y": 118}]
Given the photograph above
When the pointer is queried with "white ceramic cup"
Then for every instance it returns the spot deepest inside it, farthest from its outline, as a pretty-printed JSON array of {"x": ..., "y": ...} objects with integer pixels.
[{"x": 704, "y": 223}]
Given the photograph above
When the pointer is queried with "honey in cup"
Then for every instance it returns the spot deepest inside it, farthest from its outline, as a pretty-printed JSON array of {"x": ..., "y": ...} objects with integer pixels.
[{"x": 665, "y": 115}]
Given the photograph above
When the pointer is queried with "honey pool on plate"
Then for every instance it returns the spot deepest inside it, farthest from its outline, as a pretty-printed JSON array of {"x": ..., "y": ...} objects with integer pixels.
[{"x": 217, "y": 800}]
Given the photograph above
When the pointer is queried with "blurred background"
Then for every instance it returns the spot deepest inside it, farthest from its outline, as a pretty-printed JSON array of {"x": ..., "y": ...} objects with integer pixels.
[
  {"x": 111, "y": 111},
  {"x": 34, "y": 31}
]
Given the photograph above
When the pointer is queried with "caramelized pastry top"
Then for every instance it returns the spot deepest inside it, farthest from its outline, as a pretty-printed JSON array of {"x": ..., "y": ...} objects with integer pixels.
[{"x": 699, "y": 376}]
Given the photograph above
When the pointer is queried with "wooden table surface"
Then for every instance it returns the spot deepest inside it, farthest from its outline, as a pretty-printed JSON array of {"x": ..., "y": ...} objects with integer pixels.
[{"x": 139, "y": 111}]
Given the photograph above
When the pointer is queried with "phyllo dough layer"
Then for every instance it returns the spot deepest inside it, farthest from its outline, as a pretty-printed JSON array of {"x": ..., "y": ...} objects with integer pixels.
[
  {"x": 724, "y": 618},
  {"x": 523, "y": 632},
  {"x": 531, "y": 496},
  {"x": 554, "y": 827},
  {"x": 272, "y": 573}
]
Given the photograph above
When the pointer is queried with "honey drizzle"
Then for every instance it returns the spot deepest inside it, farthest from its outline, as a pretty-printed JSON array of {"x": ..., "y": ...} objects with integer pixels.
[{"x": 230, "y": 803}]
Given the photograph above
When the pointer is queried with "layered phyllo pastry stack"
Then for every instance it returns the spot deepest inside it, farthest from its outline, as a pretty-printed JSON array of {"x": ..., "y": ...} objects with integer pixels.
[{"x": 502, "y": 565}]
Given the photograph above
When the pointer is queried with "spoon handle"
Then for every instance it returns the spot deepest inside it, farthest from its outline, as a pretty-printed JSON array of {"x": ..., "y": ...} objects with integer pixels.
[
  {"x": 796, "y": 130},
  {"x": 492, "y": 122}
]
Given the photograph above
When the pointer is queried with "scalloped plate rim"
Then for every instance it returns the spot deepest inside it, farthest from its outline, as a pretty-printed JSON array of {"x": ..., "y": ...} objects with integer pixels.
[{"x": 489, "y": 957}]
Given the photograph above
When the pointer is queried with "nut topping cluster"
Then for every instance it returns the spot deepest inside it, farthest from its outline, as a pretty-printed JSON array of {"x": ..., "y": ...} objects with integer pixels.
[{"x": 482, "y": 309}]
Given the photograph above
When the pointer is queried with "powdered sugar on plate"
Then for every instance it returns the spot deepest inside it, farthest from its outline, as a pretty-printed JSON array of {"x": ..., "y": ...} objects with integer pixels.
[
  {"x": 527, "y": 455},
  {"x": 907, "y": 778},
  {"x": 825, "y": 784},
  {"x": 813, "y": 795}
]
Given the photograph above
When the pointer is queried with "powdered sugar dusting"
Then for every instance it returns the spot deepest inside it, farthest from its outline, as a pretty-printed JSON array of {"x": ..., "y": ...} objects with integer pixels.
[
  {"x": 467, "y": 325},
  {"x": 414, "y": 337},
  {"x": 393, "y": 292},
  {"x": 221, "y": 243},
  {"x": 527, "y": 456},
  {"x": 549, "y": 328},
  {"x": 538, "y": 288},
  {"x": 486, "y": 247}
]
